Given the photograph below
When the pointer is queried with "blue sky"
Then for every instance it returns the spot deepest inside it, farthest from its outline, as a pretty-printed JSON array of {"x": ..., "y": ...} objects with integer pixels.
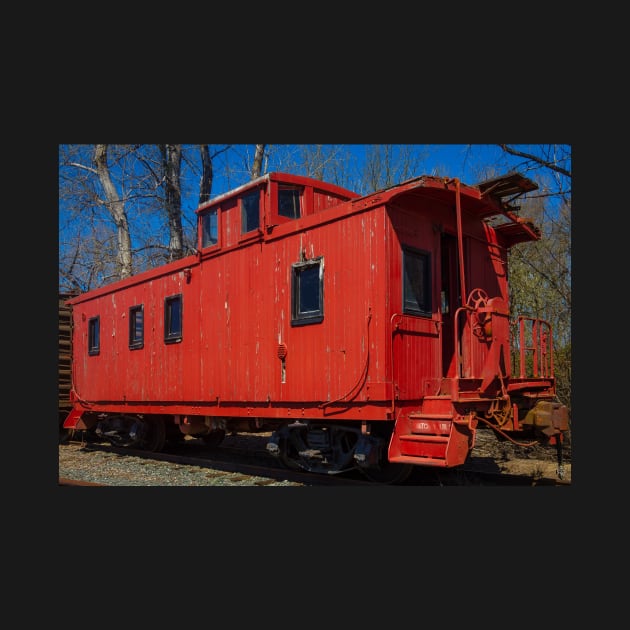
[
  {"x": 466, "y": 162},
  {"x": 460, "y": 159},
  {"x": 453, "y": 160}
]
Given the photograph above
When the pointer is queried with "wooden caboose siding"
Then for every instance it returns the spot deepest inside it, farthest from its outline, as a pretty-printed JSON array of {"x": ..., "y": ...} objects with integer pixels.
[
  {"x": 245, "y": 313},
  {"x": 415, "y": 339},
  {"x": 157, "y": 371},
  {"x": 236, "y": 311},
  {"x": 231, "y": 325}
]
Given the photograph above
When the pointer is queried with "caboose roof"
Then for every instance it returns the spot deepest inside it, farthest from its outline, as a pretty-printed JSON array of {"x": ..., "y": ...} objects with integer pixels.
[
  {"x": 489, "y": 199},
  {"x": 486, "y": 200}
]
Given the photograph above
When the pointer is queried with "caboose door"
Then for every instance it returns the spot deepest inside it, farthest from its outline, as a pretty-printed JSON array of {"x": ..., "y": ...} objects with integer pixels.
[{"x": 450, "y": 301}]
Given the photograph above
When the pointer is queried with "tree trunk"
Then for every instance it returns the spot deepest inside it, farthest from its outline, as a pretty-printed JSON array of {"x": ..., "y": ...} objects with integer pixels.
[
  {"x": 116, "y": 208},
  {"x": 258, "y": 160},
  {"x": 172, "y": 162},
  {"x": 205, "y": 186}
]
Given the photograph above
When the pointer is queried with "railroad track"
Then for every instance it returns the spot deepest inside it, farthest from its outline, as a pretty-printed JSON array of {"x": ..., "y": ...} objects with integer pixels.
[
  {"x": 233, "y": 465},
  {"x": 226, "y": 466}
]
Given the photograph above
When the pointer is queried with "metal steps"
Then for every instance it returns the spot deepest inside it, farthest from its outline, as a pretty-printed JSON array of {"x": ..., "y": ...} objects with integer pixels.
[{"x": 431, "y": 436}]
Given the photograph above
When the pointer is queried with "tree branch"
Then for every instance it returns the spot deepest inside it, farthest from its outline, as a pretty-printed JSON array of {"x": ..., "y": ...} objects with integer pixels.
[
  {"x": 552, "y": 165},
  {"x": 82, "y": 166}
]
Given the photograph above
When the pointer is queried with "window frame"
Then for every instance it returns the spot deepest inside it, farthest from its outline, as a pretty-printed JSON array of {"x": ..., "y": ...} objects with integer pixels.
[
  {"x": 299, "y": 317},
  {"x": 293, "y": 188},
  {"x": 171, "y": 336},
  {"x": 206, "y": 215},
  {"x": 244, "y": 216},
  {"x": 136, "y": 341},
  {"x": 426, "y": 308},
  {"x": 94, "y": 335}
]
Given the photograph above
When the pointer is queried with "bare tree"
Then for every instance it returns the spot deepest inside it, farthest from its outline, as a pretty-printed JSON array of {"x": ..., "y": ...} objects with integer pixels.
[
  {"x": 551, "y": 157},
  {"x": 540, "y": 272},
  {"x": 171, "y": 165},
  {"x": 258, "y": 160},
  {"x": 207, "y": 174},
  {"x": 335, "y": 163},
  {"x": 117, "y": 209},
  {"x": 315, "y": 160},
  {"x": 207, "y": 169},
  {"x": 126, "y": 181},
  {"x": 389, "y": 164}
]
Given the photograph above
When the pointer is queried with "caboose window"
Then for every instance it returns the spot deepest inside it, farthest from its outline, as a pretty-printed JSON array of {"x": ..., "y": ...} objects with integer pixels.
[
  {"x": 94, "y": 335},
  {"x": 209, "y": 228},
  {"x": 173, "y": 319},
  {"x": 307, "y": 292},
  {"x": 289, "y": 201},
  {"x": 136, "y": 327},
  {"x": 416, "y": 282},
  {"x": 250, "y": 212}
]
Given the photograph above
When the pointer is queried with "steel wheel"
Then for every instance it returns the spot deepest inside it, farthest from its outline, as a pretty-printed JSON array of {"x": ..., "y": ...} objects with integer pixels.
[
  {"x": 289, "y": 453},
  {"x": 214, "y": 438},
  {"x": 153, "y": 434}
]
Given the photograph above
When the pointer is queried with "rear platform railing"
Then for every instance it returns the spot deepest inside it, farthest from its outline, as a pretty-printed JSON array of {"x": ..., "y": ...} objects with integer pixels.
[{"x": 532, "y": 349}]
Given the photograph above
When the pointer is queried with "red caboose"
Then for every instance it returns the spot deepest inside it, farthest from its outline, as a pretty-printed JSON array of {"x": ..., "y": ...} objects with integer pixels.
[{"x": 368, "y": 332}]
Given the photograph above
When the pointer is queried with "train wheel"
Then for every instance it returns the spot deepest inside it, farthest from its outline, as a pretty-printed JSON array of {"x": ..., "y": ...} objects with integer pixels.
[
  {"x": 289, "y": 455},
  {"x": 173, "y": 435},
  {"x": 214, "y": 438},
  {"x": 389, "y": 473},
  {"x": 153, "y": 435}
]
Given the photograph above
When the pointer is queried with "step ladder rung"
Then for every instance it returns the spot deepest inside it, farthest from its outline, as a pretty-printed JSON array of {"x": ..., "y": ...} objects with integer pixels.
[{"x": 419, "y": 437}]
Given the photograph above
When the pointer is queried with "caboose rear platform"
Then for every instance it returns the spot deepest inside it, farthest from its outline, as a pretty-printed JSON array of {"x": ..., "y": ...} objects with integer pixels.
[{"x": 367, "y": 332}]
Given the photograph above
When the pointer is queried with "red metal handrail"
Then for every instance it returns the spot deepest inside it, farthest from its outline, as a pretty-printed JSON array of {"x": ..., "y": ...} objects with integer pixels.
[{"x": 541, "y": 347}]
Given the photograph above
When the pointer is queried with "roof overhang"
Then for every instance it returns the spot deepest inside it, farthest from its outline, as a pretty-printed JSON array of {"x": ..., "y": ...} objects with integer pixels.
[{"x": 485, "y": 200}]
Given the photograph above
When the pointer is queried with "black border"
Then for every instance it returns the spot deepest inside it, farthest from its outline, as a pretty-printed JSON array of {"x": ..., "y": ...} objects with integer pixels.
[{"x": 382, "y": 534}]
